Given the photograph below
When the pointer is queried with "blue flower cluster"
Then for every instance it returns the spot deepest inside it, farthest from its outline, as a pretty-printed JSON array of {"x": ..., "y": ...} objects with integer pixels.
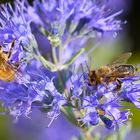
[
  {"x": 29, "y": 88},
  {"x": 65, "y": 26},
  {"x": 13, "y": 24},
  {"x": 69, "y": 24},
  {"x": 75, "y": 16},
  {"x": 105, "y": 101}
]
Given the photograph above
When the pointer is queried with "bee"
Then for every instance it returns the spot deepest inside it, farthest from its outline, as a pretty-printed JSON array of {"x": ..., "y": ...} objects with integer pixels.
[
  {"x": 7, "y": 70},
  {"x": 112, "y": 72}
]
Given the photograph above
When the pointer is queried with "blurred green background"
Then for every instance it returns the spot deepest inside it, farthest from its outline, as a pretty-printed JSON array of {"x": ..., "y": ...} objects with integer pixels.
[{"x": 127, "y": 40}]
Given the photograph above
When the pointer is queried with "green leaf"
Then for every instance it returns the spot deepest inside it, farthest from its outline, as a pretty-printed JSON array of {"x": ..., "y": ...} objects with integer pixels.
[
  {"x": 50, "y": 66},
  {"x": 73, "y": 58}
]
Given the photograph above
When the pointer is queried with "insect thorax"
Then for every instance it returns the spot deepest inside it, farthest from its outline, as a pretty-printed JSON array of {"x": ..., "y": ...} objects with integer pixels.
[{"x": 102, "y": 71}]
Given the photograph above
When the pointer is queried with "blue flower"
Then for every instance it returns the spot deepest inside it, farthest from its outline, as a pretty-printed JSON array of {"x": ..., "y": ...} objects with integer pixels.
[
  {"x": 56, "y": 100},
  {"x": 69, "y": 24},
  {"x": 18, "y": 98},
  {"x": 104, "y": 103},
  {"x": 131, "y": 90},
  {"x": 75, "y": 16},
  {"x": 30, "y": 88},
  {"x": 14, "y": 24}
]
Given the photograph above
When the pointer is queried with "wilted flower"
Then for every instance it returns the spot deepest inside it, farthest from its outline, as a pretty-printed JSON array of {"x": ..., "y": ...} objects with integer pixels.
[{"x": 104, "y": 103}]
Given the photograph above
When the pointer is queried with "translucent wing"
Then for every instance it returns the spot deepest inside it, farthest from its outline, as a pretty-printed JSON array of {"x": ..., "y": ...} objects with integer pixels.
[
  {"x": 4, "y": 66},
  {"x": 122, "y": 59}
]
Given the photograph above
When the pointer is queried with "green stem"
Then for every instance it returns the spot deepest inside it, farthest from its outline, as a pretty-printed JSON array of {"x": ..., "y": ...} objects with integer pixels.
[
  {"x": 61, "y": 79},
  {"x": 118, "y": 135},
  {"x": 60, "y": 52},
  {"x": 54, "y": 55}
]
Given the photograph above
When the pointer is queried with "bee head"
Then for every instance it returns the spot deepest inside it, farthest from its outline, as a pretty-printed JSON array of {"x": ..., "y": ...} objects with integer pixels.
[{"x": 91, "y": 77}]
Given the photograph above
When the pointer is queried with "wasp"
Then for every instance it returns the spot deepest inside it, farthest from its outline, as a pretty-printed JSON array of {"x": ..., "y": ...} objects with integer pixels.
[
  {"x": 7, "y": 70},
  {"x": 112, "y": 72}
]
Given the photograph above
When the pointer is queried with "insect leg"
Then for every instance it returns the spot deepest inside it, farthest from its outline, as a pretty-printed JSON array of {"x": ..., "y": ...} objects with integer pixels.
[
  {"x": 16, "y": 65},
  {"x": 119, "y": 84},
  {"x": 11, "y": 49}
]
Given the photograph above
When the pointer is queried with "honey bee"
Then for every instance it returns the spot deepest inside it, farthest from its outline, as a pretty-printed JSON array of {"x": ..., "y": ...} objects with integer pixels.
[
  {"x": 7, "y": 70},
  {"x": 112, "y": 72}
]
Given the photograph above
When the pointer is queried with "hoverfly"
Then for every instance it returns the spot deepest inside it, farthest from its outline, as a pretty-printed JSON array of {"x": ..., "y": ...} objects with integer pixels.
[
  {"x": 112, "y": 72},
  {"x": 7, "y": 70}
]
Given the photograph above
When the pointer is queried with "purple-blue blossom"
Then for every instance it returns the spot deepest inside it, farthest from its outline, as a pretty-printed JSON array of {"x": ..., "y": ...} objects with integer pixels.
[
  {"x": 14, "y": 24},
  {"x": 75, "y": 16},
  {"x": 31, "y": 87},
  {"x": 63, "y": 27},
  {"x": 104, "y": 104},
  {"x": 69, "y": 24},
  {"x": 31, "y": 84}
]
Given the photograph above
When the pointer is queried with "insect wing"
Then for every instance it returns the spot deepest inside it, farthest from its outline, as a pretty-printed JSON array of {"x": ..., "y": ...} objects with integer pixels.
[
  {"x": 122, "y": 59},
  {"x": 3, "y": 64},
  {"x": 5, "y": 67},
  {"x": 121, "y": 70}
]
